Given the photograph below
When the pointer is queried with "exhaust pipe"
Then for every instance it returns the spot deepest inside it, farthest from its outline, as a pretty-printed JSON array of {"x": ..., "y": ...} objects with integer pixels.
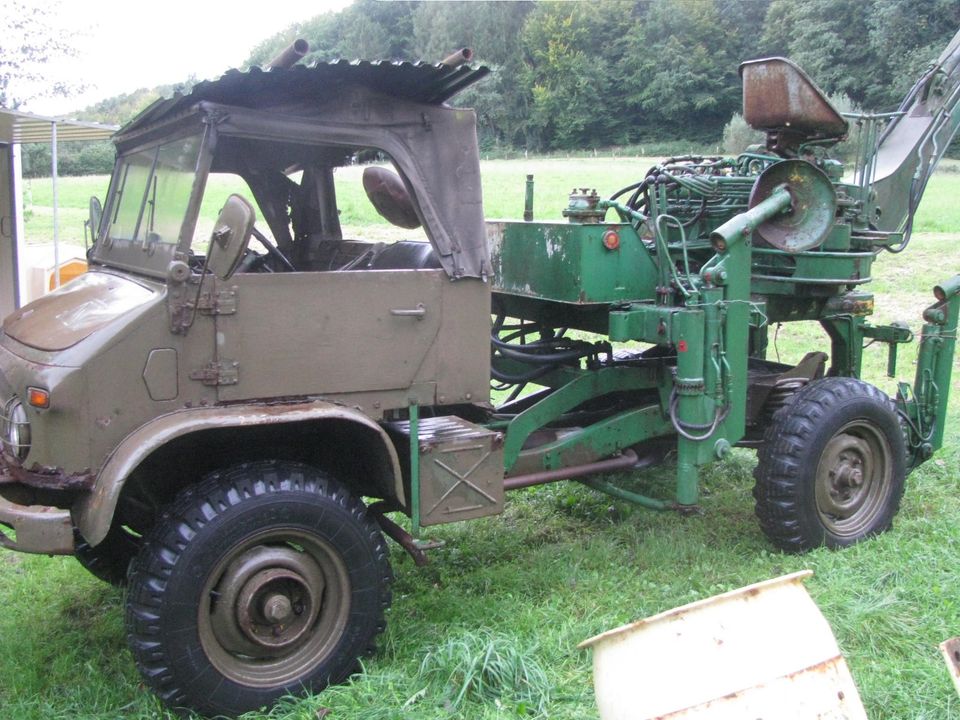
[
  {"x": 290, "y": 55},
  {"x": 461, "y": 56}
]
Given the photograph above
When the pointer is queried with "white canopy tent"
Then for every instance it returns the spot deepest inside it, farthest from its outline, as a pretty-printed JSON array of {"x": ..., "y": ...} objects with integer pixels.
[{"x": 17, "y": 128}]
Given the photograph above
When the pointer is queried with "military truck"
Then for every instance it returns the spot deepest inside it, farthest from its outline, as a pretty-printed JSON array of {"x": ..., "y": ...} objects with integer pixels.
[{"x": 222, "y": 417}]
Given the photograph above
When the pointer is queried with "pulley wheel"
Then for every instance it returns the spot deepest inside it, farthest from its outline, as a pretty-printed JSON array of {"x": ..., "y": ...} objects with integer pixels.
[{"x": 810, "y": 217}]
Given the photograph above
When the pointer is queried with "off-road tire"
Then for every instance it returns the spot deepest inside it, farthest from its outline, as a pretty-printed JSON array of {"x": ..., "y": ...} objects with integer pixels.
[
  {"x": 831, "y": 468},
  {"x": 110, "y": 560},
  {"x": 244, "y": 531}
]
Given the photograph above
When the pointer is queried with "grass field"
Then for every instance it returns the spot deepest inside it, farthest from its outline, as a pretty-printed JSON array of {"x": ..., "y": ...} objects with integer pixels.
[
  {"x": 562, "y": 563},
  {"x": 503, "y": 192}
]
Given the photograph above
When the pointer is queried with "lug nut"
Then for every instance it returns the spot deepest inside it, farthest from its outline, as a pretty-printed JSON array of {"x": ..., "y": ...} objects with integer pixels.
[{"x": 277, "y": 608}]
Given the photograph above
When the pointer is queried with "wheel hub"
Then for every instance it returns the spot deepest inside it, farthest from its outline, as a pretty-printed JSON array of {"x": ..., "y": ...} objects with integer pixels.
[
  {"x": 844, "y": 472},
  {"x": 267, "y": 601},
  {"x": 277, "y": 608},
  {"x": 854, "y": 479}
]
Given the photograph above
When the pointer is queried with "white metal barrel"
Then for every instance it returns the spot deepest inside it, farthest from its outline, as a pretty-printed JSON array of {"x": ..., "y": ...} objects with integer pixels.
[{"x": 763, "y": 651}]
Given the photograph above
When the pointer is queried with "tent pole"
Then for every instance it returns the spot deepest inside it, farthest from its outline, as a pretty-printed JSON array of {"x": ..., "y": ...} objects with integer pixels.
[{"x": 56, "y": 218}]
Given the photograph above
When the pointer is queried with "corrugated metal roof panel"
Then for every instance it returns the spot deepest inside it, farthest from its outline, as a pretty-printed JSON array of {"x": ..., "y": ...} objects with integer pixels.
[
  {"x": 419, "y": 82},
  {"x": 19, "y": 127},
  {"x": 255, "y": 88}
]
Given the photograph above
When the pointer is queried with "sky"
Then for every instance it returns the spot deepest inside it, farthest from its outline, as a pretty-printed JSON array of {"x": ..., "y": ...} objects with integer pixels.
[{"x": 125, "y": 45}]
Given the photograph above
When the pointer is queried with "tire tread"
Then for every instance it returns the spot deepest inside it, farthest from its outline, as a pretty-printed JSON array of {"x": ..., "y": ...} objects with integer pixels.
[
  {"x": 781, "y": 469},
  {"x": 188, "y": 515}
]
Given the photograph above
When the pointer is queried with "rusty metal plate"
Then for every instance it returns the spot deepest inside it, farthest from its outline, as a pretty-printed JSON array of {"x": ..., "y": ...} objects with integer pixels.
[{"x": 777, "y": 95}]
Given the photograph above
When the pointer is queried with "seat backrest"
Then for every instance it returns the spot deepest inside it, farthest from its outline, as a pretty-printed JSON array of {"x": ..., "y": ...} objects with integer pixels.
[
  {"x": 778, "y": 95},
  {"x": 406, "y": 255}
]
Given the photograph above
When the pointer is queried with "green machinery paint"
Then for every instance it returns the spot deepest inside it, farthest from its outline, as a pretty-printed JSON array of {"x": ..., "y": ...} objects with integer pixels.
[{"x": 709, "y": 252}]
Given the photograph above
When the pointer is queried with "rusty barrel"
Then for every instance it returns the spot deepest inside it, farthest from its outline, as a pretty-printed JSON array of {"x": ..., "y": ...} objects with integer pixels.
[{"x": 763, "y": 651}]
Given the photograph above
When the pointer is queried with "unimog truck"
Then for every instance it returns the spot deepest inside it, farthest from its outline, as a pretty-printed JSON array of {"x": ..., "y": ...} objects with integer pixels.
[{"x": 223, "y": 417}]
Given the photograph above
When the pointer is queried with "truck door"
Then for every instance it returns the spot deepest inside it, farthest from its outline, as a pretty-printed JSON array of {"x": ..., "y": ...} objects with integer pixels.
[{"x": 327, "y": 333}]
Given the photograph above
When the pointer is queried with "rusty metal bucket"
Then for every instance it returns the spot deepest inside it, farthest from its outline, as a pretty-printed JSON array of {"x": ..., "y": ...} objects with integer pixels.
[{"x": 763, "y": 651}]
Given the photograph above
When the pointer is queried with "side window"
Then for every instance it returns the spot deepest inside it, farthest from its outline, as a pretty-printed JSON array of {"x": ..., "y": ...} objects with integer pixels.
[
  {"x": 318, "y": 210},
  {"x": 219, "y": 187},
  {"x": 358, "y": 216}
]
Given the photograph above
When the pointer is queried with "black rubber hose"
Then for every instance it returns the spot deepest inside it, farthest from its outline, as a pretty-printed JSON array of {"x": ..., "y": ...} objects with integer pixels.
[{"x": 525, "y": 378}]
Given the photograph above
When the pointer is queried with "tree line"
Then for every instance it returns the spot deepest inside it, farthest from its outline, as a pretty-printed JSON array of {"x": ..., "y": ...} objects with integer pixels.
[
  {"x": 573, "y": 75},
  {"x": 581, "y": 75}
]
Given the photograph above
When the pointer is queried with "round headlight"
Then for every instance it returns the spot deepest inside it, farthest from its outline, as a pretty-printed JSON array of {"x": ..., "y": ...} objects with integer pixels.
[{"x": 15, "y": 428}]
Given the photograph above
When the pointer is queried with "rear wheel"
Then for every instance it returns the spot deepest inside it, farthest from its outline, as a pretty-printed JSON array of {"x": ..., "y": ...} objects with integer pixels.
[
  {"x": 832, "y": 466},
  {"x": 266, "y": 579}
]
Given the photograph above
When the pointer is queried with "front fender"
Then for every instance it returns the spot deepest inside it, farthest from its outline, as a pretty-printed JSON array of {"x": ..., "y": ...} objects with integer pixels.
[{"x": 94, "y": 514}]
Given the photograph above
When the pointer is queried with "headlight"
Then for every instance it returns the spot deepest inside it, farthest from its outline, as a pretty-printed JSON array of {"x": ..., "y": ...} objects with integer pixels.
[{"x": 15, "y": 429}]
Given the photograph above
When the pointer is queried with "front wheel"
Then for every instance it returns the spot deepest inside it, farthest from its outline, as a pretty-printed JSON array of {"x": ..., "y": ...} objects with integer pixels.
[
  {"x": 266, "y": 579},
  {"x": 831, "y": 468},
  {"x": 109, "y": 560}
]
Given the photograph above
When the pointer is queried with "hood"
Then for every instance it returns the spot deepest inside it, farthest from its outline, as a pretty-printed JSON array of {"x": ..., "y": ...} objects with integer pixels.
[{"x": 72, "y": 313}]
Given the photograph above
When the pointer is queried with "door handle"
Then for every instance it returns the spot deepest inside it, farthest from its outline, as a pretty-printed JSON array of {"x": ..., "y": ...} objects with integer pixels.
[{"x": 418, "y": 312}]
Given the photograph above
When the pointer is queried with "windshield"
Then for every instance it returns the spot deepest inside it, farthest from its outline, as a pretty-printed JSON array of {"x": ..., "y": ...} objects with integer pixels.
[{"x": 147, "y": 206}]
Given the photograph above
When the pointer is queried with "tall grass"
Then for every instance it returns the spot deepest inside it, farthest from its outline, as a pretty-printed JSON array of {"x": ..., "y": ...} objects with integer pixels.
[
  {"x": 489, "y": 629},
  {"x": 487, "y": 667}
]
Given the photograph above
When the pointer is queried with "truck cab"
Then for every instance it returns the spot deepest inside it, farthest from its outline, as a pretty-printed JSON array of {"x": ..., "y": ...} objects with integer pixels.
[
  {"x": 169, "y": 324},
  {"x": 270, "y": 339}
]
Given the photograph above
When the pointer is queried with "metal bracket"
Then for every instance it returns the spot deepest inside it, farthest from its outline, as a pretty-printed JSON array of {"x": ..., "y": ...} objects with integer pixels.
[
  {"x": 893, "y": 334},
  {"x": 218, "y": 373},
  {"x": 220, "y": 302}
]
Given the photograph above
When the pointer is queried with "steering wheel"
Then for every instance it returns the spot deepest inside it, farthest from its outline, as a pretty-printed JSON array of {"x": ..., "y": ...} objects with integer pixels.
[{"x": 272, "y": 251}]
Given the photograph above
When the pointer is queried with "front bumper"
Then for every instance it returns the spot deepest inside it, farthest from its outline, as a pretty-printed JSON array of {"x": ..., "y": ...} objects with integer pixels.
[
  {"x": 39, "y": 528},
  {"x": 43, "y": 529}
]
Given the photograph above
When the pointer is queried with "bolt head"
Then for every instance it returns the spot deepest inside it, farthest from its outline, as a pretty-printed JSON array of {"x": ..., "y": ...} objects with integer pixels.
[{"x": 277, "y": 608}]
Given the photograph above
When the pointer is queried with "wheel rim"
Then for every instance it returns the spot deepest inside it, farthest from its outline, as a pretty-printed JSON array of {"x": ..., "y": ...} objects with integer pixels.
[
  {"x": 854, "y": 479},
  {"x": 274, "y": 608}
]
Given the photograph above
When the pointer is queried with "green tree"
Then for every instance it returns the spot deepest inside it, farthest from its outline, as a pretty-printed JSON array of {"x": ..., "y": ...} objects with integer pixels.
[
  {"x": 679, "y": 70},
  {"x": 365, "y": 38},
  {"x": 907, "y": 35},
  {"x": 829, "y": 40},
  {"x": 492, "y": 30},
  {"x": 569, "y": 50},
  {"x": 742, "y": 25},
  {"x": 120, "y": 109},
  {"x": 394, "y": 28},
  {"x": 368, "y": 30},
  {"x": 572, "y": 75},
  {"x": 32, "y": 36},
  {"x": 321, "y": 32}
]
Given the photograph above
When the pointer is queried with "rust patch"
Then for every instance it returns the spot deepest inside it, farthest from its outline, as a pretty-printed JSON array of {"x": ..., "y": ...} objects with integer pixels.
[
  {"x": 781, "y": 99},
  {"x": 397, "y": 533},
  {"x": 43, "y": 477}
]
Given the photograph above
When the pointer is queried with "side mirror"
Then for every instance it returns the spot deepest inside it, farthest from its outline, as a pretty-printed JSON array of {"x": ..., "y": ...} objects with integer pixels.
[
  {"x": 95, "y": 210},
  {"x": 230, "y": 236}
]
